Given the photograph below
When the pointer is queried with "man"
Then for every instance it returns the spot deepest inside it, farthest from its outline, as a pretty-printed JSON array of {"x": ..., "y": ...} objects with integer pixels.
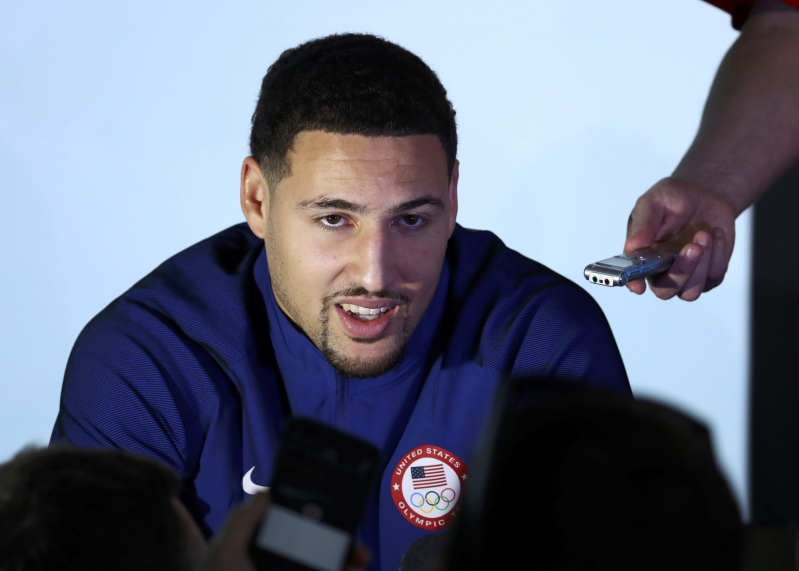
[
  {"x": 351, "y": 296},
  {"x": 748, "y": 137}
]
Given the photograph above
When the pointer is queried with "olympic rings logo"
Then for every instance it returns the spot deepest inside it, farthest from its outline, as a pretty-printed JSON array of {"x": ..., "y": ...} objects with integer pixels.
[{"x": 435, "y": 502}]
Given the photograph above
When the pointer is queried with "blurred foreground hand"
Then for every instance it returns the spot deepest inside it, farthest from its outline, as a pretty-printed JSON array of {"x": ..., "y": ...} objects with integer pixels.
[{"x": 228, "y": 549}]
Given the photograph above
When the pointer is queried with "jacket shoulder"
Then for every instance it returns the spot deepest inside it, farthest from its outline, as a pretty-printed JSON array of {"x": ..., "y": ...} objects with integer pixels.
[
  {"x": 206, "y": 293},
  {"x": 517, "y": 317},
  {"x": 146, "y": 369},
  {"x": 483, "y": 266}
]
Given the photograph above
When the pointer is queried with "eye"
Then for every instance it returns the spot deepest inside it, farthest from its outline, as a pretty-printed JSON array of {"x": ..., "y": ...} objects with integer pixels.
[
  {"x": 412, "y": 220},
  {"x": 332, "y": 220}
]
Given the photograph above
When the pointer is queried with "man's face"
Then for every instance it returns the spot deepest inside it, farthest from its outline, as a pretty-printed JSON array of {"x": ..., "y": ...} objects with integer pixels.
[{"x": 355, "y": 240}]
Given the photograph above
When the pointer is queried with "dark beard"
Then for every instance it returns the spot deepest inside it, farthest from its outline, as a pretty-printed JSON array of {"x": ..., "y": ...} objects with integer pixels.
[
  {"x": 356, "y": 368},
  {"x": 320, "y": 335}
]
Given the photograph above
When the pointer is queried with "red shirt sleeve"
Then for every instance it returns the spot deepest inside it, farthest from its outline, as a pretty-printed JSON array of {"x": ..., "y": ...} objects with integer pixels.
[{"x": 739, "y": 9}]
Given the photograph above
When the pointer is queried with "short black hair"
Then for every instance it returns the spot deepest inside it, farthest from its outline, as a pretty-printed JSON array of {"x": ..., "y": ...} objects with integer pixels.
[
  {"x": 65, "y": 508},
  {"x": 591, "y": 480},
  {"x": 348, "y": 84}
]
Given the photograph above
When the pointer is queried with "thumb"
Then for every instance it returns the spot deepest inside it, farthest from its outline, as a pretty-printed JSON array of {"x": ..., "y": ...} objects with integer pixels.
[
  {"x": 245, "y": 518},
  {"x": 643, "y": 225}
]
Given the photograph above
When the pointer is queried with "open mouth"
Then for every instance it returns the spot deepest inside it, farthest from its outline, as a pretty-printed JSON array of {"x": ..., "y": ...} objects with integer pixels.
[
  {"x": 367, "y": 322},
  {"x": 364, "y": 313}
]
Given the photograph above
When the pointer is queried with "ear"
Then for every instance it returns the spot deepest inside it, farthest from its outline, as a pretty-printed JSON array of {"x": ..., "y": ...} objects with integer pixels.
[
  {"x": 254, "y": 197},
  {"x": 453, "y": 196}
]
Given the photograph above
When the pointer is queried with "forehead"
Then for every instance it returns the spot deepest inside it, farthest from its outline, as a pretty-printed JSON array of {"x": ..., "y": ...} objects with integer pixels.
[{"x": 335, "y": 163}]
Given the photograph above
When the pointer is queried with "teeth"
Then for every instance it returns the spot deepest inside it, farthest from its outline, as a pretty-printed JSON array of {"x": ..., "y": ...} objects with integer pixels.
[{"x": 364, "y": 311}]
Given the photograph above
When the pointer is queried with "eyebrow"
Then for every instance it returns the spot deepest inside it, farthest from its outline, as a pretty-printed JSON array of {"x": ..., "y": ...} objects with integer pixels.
[
  {"x": 416, "y": 203},
  {"x": 331, "y": 203}
]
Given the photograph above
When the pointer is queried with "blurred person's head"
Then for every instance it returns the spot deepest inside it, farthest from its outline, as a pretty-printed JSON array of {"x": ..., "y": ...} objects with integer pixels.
[
  {"x": 596, "y": 481},
  {"x": 70, "y": 508},
  {"x": 352, "y": 185}
]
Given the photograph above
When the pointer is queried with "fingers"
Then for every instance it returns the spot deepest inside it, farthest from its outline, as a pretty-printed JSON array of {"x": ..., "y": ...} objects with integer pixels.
[
  {"x": 700, "y": 266},
  {"x": 637, "y": 286},
  {"x": 228, "y": 550},
  {"x": 695, "y": 284},
  {"x": 671, "y": 283},
  {"x": 719, "y": 260},
  {"x": 359, "y": 558},
  {"x": 242, "y": 521},
  {"x": 676, "y": 215}
]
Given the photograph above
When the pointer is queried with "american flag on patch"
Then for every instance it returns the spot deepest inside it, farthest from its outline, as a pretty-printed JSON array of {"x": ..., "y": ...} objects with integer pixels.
[{"x": 430, "y": 476}]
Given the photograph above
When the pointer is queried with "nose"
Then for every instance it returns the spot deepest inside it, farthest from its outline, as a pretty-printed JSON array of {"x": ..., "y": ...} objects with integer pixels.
[{"x": 372, "y": 260}]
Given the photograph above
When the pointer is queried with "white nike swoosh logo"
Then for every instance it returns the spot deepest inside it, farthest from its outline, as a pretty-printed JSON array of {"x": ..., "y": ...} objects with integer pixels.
[{"x": 249, "y": 486}]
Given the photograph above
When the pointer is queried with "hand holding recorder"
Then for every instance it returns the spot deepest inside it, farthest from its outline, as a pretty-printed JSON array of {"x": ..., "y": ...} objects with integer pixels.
[{"x": 696, "y": 224}]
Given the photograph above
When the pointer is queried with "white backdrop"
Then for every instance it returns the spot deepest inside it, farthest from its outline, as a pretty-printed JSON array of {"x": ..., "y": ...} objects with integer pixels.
[{"x": 122, "y": 130}]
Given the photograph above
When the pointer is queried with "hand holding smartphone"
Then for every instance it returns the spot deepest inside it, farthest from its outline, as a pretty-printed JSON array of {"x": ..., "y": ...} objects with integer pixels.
[
  {"x": 320, "y": 485},
  {"x": 619, "y": 270}
]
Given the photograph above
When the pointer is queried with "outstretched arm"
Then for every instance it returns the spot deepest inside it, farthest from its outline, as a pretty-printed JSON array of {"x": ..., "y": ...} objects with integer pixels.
[{"x": 748, "y": 137}]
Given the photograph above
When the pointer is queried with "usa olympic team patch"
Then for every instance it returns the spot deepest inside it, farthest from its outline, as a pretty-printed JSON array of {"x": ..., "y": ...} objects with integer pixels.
[{"x": 426, "y": 486}]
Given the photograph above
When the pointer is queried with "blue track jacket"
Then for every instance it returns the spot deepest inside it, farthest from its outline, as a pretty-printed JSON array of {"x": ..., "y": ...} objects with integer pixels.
[{"x": 197, "y": 366}]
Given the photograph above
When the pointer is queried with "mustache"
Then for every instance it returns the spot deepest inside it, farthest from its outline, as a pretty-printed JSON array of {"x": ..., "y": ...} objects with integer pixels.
[{"x": 355, "y": 290}]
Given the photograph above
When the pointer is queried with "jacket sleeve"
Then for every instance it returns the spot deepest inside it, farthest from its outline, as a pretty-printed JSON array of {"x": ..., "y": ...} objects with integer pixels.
[{"x": 133, "y": 382}]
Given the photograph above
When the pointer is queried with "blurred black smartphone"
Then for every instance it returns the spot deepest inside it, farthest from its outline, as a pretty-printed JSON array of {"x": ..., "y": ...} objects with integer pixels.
[{"x": 320, "y": 485}]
